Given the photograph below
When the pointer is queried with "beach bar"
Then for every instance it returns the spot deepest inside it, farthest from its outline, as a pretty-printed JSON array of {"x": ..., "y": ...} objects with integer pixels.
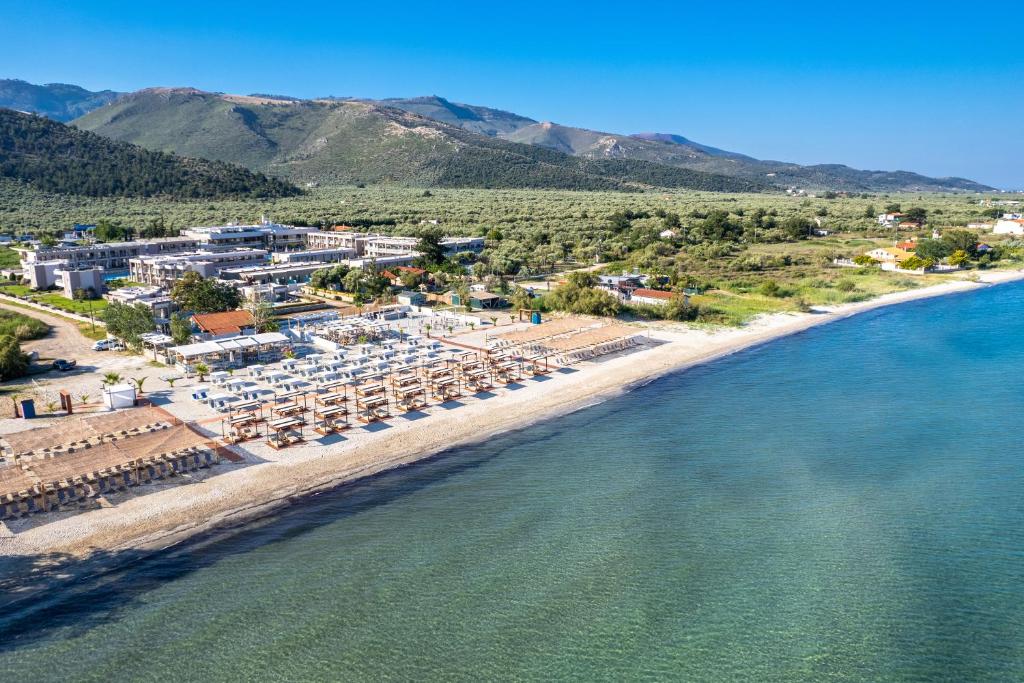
[{"x": 231, "y": 353}]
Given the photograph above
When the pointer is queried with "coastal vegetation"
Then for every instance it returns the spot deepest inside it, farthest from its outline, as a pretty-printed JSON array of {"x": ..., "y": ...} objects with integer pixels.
[{"x": 739, "y": 254}]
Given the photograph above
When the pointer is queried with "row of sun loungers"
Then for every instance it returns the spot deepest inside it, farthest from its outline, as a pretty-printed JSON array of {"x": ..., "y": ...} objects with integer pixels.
[{"x": 26, "y": 494}]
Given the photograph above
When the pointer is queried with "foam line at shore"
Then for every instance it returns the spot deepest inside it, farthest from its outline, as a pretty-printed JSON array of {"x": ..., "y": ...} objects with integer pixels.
[{"x": 239, "y": 496}]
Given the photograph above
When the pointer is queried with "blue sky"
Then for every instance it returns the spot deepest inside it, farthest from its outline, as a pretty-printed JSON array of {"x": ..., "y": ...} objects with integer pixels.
[{"x": 930, "y": 87}]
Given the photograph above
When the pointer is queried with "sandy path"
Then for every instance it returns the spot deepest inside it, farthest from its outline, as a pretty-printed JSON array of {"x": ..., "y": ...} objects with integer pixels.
[{"x": 239, "y": 494}]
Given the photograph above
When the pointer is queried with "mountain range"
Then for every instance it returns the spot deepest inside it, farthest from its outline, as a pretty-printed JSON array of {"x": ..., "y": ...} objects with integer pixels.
[{"x": 431, "y": 141}]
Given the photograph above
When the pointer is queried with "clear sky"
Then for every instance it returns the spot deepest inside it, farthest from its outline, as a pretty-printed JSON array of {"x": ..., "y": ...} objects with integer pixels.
[{"x": 934, "y": 87}]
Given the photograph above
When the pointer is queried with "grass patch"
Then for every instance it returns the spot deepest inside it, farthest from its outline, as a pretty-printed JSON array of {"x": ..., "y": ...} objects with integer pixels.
[
  {"x": 56, "y": 300},
  {"x": 9, "y": 258},
  {"x": 21, "y": 326}
]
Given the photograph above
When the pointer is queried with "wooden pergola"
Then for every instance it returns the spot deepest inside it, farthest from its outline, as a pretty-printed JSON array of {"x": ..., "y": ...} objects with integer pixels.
[
  {"x": 240, "y": 428},
  {"x": 287, "y": 431},
  {"x": 372, "y": 408},
  {"x": 330, "y": 419}
]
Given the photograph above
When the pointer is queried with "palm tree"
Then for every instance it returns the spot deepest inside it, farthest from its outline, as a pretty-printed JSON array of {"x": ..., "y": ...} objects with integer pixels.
[
  {"x": 202, "y": 369},
  {"x": 138, "y": 381},
  {"x": 170, "y": 381},
  {"x": 84, "y": 398},
  {"x": 451, "y": 330},
  {"x": 472, "y": 326},
  {"x": 427, "y": 328},
  {"x": 494, "y": 320},
  {"x": 111, "y": 378},
  {"x": 51, "y": 406}
]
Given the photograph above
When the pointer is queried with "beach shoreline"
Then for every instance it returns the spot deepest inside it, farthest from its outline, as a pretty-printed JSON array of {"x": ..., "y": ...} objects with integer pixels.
[{"x": 240, "y": 496}]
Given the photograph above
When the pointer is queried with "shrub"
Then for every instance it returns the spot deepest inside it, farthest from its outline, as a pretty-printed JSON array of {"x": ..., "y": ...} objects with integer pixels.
[{"x": 22, "y": 327}]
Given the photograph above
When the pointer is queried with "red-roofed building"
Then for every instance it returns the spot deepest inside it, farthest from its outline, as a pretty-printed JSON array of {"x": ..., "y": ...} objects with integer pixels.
[
  {"x": 227, "y": 323},
  {"x": 653, "y": 297}
]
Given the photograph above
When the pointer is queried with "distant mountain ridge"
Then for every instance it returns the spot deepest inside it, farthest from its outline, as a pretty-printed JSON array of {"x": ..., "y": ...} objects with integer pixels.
[
  {"x": 662, "y": 149},
  {"x": 53, "y": 157},
  {"x": 346, "y": 141},
  {"x": 57, "y": 101}
]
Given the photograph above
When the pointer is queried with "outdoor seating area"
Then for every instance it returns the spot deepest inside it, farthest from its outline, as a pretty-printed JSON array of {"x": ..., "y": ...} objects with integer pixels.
[
  {"x": 567, "y": 340},
  {"x": 75, "y": 479},
  {"x": 78, "y": 434}
]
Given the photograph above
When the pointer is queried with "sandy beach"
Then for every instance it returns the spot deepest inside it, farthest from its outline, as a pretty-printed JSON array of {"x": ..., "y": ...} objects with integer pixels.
[{"x": 231, "y": 495}]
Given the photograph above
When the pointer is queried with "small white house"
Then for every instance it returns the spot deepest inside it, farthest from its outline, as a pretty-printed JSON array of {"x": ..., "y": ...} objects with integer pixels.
[{"x": 119, "y": 396}]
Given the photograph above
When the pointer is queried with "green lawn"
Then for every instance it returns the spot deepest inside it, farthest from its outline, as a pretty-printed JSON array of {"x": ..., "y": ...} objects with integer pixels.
[
  {"x": 56, "y": 300},
  {"x": 9, "y": 258}
]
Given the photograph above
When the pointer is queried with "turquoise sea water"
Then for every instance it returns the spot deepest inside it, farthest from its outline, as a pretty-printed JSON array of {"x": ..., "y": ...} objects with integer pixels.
[{"x": 845, "y": 504}]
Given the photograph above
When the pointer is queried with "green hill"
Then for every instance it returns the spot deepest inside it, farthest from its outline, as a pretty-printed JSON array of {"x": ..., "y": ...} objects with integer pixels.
[
  {"x": 57, "y": 101},
  {"x": 675, "y": 150},
  {"x": 53, "y": 157},
  {"x": 351, "y": 141}
]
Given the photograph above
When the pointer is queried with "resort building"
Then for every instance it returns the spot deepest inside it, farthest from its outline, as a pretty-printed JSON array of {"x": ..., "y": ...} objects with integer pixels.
[
  {"x": 336, "y": 239},
  {"x": 381, "y": 261},
  {"x": 163, "y": 271},
  {"x": 376, "y": 246},
  {"x": 154, "y": 298},
  {"x": 71, "y": 280},
  {"x": 279, "y": 273},
  {"x": 43, "y": 274},
  {"x": 265, "y": 235},
  {"x": 387, "y": 245},
  {"x": 111, "y": 256},
  {"x": 334, "y": 255},
  {"x": 231, "y": 352}
]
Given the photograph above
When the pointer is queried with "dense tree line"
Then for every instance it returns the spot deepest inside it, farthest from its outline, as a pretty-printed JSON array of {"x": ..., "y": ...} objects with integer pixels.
[{"x": 56, "y": 158}]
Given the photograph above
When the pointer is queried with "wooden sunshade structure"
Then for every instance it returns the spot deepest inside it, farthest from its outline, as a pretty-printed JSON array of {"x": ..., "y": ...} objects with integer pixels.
[
  {"x": 330, "y": 419},
  {"x": 297, "y": 397},
  {"x": 241, "y": 427},
  {"x": 371, "y": 403},
  {"x": 476, "y": 375},
  {"x": 285, "y": 431},
  {"x": 43, "y": 481}
]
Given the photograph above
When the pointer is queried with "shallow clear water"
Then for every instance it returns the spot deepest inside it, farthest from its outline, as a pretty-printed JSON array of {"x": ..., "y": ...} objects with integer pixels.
[{"x": 845, "y": 504}]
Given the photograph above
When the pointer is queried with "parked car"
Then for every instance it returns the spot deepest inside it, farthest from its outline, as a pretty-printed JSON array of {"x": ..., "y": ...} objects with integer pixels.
[
  {"x": 101, "y": 345},
  {"x": 64, "y": 365}
]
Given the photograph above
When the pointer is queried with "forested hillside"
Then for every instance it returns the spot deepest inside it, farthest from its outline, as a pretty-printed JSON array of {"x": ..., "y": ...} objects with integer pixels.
[{"x": 56, "y": 158}]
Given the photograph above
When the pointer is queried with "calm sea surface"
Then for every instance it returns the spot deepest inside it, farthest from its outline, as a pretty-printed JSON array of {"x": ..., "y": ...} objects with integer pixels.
[{"x": 845, "y": 504}]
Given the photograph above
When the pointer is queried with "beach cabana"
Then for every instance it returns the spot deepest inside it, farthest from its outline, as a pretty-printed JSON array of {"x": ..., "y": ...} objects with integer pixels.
[
  {"x": 242, "y": 427},
  {"x": 284, "y": 431},
  {"x": 328, "y": 420}
]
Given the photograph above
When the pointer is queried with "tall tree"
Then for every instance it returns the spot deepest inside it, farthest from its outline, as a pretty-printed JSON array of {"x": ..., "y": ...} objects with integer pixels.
[
  {"x": 129, "y": 322},
  {"x": 192, "y": 292},
  {"x": 430, "y": 250}
]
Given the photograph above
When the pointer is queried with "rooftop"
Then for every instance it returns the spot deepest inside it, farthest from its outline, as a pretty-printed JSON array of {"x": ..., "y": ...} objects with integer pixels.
[
  {"x": 652, "y": 294},
  {"x": 227, "y": 322}
]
